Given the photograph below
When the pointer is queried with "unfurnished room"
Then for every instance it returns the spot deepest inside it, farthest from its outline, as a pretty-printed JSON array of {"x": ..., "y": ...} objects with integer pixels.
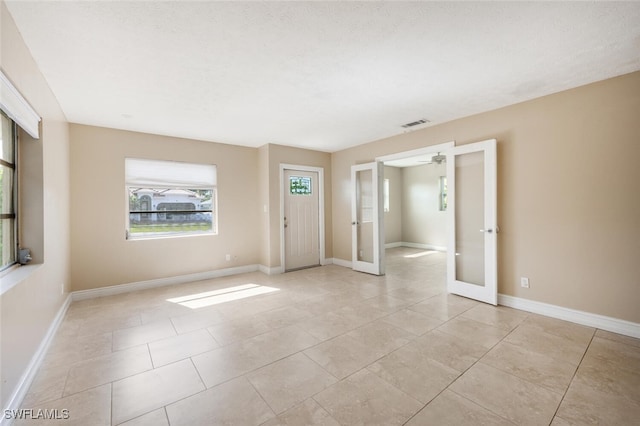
[{"x": 319, "y": 213}]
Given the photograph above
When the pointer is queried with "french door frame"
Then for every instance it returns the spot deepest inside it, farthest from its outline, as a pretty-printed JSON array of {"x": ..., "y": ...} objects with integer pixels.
[
  {"x": 377, "y": 173},
  {"x": 488, "y": 292}
]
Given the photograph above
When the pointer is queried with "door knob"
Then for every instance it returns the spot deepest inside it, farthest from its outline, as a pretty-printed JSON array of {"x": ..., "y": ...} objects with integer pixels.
[{"x": 489, "y": 231}]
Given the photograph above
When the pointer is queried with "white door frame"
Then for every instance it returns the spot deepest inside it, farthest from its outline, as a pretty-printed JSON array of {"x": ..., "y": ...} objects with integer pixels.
[
  {"x": 377, "y": 267},
  {"x": 320, "y": 171},
  {"x": 441, "y": 147},
  {"x": 431, "y": 149},
  {"x": 487, "y": 293}
]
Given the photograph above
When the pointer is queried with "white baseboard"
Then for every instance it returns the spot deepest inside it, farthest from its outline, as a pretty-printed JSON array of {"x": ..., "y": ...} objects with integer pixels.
[
  {"x": 342, "y": 262},
  {"x": 393, "y": 245},
  {"x": 280, "y": 270},
  {"x": 32, "y": 369},
  {"x": 270, "y": 271},
  {"x": 602, "y": 322},
  {"x": 160, "y": 282},
  {"x": 418, "y": 246}
]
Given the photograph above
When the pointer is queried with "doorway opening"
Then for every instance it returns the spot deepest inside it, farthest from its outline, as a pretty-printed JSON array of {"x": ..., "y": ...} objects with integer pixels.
[
  {"x": 415, "y": 213},
  {"x": 471, "y": 215}
]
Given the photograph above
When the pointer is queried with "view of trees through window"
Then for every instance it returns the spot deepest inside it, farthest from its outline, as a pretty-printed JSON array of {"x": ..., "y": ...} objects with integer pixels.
[{"x": 300, "y": 185}]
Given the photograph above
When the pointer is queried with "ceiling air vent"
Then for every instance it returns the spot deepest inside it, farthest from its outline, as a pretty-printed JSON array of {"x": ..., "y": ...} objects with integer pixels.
[{"x": 415, "y": 123}]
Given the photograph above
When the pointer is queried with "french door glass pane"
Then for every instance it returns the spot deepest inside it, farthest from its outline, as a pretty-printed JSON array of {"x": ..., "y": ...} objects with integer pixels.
[
  {"x": 364, "y": 207},
  {"x": 469, "y": 218}
]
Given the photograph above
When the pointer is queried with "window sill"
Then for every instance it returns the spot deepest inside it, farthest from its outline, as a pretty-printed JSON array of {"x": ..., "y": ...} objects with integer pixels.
[
  {"x": 15, "y": 275},
  {"x": 166, "y": 236}
]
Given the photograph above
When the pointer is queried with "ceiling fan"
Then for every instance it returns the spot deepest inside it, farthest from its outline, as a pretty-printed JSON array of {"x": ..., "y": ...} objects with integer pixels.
[{"x": 438, "y": 159}]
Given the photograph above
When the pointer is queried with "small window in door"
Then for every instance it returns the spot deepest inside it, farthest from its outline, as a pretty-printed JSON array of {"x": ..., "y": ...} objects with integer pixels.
[{"x": 299, "y": 185}]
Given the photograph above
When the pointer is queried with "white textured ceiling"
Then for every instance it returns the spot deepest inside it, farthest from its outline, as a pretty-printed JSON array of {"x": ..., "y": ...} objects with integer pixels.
[{"x": 321, "y": 75}]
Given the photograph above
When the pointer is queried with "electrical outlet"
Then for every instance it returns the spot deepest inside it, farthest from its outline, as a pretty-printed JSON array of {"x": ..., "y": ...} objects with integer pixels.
[
  {"x": 228, "y": 257},
  {"x": 524, "y": 282}
]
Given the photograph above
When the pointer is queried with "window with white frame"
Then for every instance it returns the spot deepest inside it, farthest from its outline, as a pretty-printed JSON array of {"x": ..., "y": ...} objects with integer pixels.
[
  {"x": 8, "y": 194},
  {"x": 170, "y": 198},
  {"x": 386, "y": 195},
  {"x": 16, "y": 114},
  {"x": 442, "y": 183}
]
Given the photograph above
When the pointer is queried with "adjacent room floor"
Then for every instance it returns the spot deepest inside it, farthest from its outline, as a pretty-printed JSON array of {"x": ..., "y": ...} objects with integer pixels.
[{"x": 331, "y": 346}]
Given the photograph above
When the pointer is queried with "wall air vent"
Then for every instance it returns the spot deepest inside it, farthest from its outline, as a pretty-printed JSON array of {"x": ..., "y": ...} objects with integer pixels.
[{"x": 415, "y": 123}]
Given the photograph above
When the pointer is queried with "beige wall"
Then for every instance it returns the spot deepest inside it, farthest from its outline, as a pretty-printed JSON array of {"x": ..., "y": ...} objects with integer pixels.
[
  {"x": 393, "y": 218},
  {"x": 568, "y": 204},
  {"x": 248, "y": 180},
  {"x": 28, "y": 309},
  {"x": 278, "y": 154},
  {"x": 263, "y": 176},
  {"x": 101, "y": 254},
  {"x": 422, "y": 220}
]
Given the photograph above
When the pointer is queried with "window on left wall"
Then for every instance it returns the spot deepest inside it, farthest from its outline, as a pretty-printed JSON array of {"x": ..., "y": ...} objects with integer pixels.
[
  {"x": 8, "y": 194},
  {"x": 170, "y": 198}
]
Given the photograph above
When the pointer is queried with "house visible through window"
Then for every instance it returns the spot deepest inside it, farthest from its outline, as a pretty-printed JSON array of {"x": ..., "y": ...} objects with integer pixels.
[
  {"x": 168, "y": 198},
  {"x": 8, "y": 193}
]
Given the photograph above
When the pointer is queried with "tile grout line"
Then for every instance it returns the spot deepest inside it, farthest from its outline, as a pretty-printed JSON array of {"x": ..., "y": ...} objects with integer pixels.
[
  {"x": 574, "y": 374},
  {"x": 111, "y": 403},
  {"x": 467, "y": 369},
  {"x": 118, "y": 379},
  {"x": 166, "y": 415},
  {"x": 525, "y": 380},
  {"x": 164, "y": 406},
  {"x": 198, "y": 372},
  {"x": 153, "y": 364},
  {"x": 275, "y": 415}
]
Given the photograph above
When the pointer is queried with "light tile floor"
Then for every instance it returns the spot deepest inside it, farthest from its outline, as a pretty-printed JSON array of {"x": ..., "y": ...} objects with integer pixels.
[{"x": 330, "y": 346}]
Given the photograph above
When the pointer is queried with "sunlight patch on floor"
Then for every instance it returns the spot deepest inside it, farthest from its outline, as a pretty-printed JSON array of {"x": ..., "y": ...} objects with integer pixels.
[
  {"x": 215, "y": 297},
  {"x": 422, "y": 253}
]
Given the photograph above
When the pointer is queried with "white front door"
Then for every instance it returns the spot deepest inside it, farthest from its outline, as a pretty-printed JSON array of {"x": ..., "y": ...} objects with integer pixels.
[
  {"x": 472, "y": 221},
  {"x": 301, "y": 219},
  {"x": 367, "y": 224}
]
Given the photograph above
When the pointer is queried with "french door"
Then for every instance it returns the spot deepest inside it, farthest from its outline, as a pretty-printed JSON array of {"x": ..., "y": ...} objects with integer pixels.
[
  {"x": 472, "y": 221},
  {"x": 367, "y": 220}
]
